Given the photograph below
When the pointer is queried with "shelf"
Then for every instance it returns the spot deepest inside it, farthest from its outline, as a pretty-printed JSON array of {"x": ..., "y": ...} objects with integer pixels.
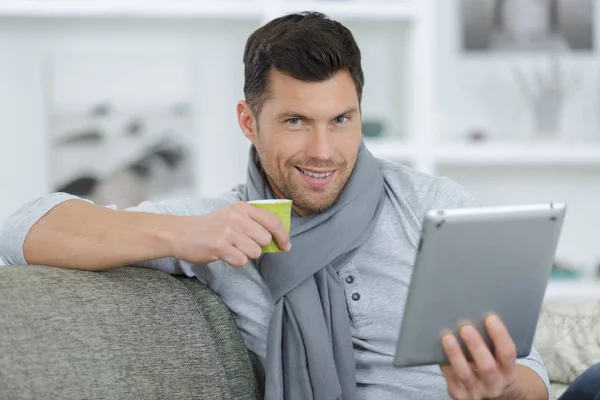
[
  {"x": 573, "y": 290},
  {"x": 123, "y": 152},
  {"x": 230, "y": 9},
  {"x": 517, "y": 155},
  {"x": 395, "y": 150},
  {"x": 357, "y": 10},
  {"x": 489, "y": 154}
]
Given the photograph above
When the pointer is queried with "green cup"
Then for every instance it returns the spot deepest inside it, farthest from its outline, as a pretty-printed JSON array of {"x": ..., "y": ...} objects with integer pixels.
[{"x": 283, "y": 210}]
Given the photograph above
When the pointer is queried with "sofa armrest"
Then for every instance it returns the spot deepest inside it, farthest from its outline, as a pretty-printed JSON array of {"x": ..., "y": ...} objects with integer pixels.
[
  {"x": 130, "y": 333},
  {"x": 230, "y": 348}
]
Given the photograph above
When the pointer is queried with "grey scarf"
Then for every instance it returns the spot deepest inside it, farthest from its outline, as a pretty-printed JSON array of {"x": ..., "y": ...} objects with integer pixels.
[{"x": 309, "y": 345}]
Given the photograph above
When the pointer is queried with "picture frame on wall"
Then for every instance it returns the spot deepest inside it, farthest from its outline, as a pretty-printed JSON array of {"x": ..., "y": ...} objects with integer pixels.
[
  {"x": 121, "y": 128},
  {"x": 492, "y": 26}
]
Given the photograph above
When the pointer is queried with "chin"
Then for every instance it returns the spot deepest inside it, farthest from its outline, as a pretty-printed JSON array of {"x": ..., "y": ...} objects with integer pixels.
[
  {"x": 311, "y": 199},
  {"x": 313, "y": 205}
]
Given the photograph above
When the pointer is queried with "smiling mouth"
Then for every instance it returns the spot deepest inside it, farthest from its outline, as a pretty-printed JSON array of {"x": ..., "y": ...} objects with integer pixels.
[{"x": 323, "y": 175}]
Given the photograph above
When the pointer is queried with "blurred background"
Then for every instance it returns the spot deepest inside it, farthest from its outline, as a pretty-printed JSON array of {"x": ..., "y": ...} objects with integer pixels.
[{"x": 121, "y": 101}]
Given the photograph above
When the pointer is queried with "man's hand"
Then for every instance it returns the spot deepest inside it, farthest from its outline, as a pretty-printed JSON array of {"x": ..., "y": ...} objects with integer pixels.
[
  {"x": 233, "y": 234},
  {"x": 489, "y": 375}
]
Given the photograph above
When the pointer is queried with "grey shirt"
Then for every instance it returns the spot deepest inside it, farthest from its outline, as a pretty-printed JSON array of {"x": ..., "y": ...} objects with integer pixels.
[{"x": 375, "y": 282}]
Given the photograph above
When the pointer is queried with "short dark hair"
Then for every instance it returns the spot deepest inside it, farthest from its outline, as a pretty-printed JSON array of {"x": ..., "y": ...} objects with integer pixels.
[{"x": 307, "y": 46}]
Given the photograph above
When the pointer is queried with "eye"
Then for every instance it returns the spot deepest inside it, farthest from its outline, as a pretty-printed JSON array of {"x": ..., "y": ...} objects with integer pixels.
[
  {"x": 294, "y": 121},
  {"x": 341, "y": 119}
]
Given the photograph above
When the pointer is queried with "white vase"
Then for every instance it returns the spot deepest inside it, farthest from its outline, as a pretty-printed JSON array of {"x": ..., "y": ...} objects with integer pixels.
[{"x": 547, "y": 112}]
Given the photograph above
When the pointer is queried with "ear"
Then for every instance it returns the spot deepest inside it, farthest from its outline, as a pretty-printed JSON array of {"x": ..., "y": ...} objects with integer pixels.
[{"x": 246, "y": 120}]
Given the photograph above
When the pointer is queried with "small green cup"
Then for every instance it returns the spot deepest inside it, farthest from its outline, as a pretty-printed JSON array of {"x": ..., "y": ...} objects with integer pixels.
[{"x": 283, "y": 210}]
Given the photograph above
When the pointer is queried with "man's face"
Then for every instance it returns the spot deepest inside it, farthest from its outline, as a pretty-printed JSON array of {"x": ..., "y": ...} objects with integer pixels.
[{"x": 307, "y": 138}]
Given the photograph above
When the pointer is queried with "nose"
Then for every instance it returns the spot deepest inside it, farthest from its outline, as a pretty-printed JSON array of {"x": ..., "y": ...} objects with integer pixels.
[{"x": 318, "y": 146}]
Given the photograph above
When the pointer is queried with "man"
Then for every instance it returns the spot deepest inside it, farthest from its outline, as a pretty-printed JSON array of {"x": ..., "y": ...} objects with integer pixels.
[{"x": 322, "y": 317}]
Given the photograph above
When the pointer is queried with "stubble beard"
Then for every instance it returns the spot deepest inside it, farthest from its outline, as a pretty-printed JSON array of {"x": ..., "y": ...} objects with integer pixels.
[{"x": 312, "y": 200}]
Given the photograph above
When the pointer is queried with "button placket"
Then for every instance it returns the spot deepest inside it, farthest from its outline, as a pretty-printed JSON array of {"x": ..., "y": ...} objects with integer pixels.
[{"x": 355, "y": 297}]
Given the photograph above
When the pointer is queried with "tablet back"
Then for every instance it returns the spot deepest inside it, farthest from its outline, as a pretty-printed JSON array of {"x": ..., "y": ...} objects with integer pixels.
[{"x": 472, "y": 262}]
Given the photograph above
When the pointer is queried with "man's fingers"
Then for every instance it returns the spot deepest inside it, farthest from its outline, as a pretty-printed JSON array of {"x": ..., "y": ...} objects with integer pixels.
[
  {"x": 487, "y": 376},
  {"x": 461, "y": 368},
  {"x": 257, "y": 233},
  {"x": 234, "y": 257},
  {"x": 505, "y": 349},
  {"x": 273, "y": 224},
  {"x": 247, "y": 246},
  {"x": 456, "y": 390},
  {"x": 485, "y": 363}
]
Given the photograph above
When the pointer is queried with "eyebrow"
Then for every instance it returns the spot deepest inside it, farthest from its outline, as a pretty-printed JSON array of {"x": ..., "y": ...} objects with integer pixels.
[{"x": 291, "y": 114}]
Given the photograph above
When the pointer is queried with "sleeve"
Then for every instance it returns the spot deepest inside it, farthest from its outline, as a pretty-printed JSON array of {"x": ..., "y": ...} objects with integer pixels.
[
  {"x": 16, "y": 227},
  {"x": 534, "y": 361},
  {"x": 450, "y": 194}
]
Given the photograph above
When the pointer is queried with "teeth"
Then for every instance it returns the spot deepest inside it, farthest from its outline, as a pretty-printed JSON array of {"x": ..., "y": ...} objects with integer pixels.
[{"x": 320, "y": 176}]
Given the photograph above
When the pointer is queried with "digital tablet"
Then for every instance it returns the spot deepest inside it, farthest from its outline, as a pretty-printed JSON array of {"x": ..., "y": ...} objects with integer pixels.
[{"x": 472, "y": 262}]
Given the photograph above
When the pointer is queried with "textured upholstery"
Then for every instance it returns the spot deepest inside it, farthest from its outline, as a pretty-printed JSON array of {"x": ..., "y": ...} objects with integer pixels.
[
  {"x": 131, "y": 333},
  {"x": 228, "y": 342},
  {"x": 568, "y": 339}
]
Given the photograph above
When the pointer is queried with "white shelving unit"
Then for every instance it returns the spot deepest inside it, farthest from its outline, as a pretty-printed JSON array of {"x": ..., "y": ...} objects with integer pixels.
[
  {"x": 573, "y": 290},
  {"x": 131, "y": 9},
  {"x": 173, "y": 24},
  {"x": 518, "y": 155},
  {"x": 227, "y": 9},
  {"x": 501, "y": 154},
  {"x": 362, "y": 10}
]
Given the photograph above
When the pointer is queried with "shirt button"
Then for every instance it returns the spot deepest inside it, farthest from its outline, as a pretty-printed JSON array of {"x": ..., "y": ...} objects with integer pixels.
[
  {"x": 355, "y": 296},
  {"x": 349, "y": 279}
]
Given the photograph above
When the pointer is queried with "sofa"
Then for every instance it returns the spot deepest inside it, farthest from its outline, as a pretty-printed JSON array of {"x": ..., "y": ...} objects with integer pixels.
[
  {"x": 129, "y": 333},
  {"x": 136, "y": 333}
]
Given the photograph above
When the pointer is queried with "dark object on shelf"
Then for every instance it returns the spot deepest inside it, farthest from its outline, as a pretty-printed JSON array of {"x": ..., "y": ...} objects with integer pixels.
[
  {"x": 477, "y": 135},
  {"x": 141, "y": 170},
  {"x": 81, "y": 186},
  {"x": 101, "y": 110},
  {"x": 561, "y": 270},
  {"x": 372, "y": 128},
  {"x": 88, "y": 136},
  {"x": 135, "y": 127},
  {"x": 181, "y": 109},
  {"x": 171, "y": 155}
]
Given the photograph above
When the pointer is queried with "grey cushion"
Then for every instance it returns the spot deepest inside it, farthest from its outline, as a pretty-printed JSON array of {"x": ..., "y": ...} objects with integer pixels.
[{"x": 130, "y": 333}]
